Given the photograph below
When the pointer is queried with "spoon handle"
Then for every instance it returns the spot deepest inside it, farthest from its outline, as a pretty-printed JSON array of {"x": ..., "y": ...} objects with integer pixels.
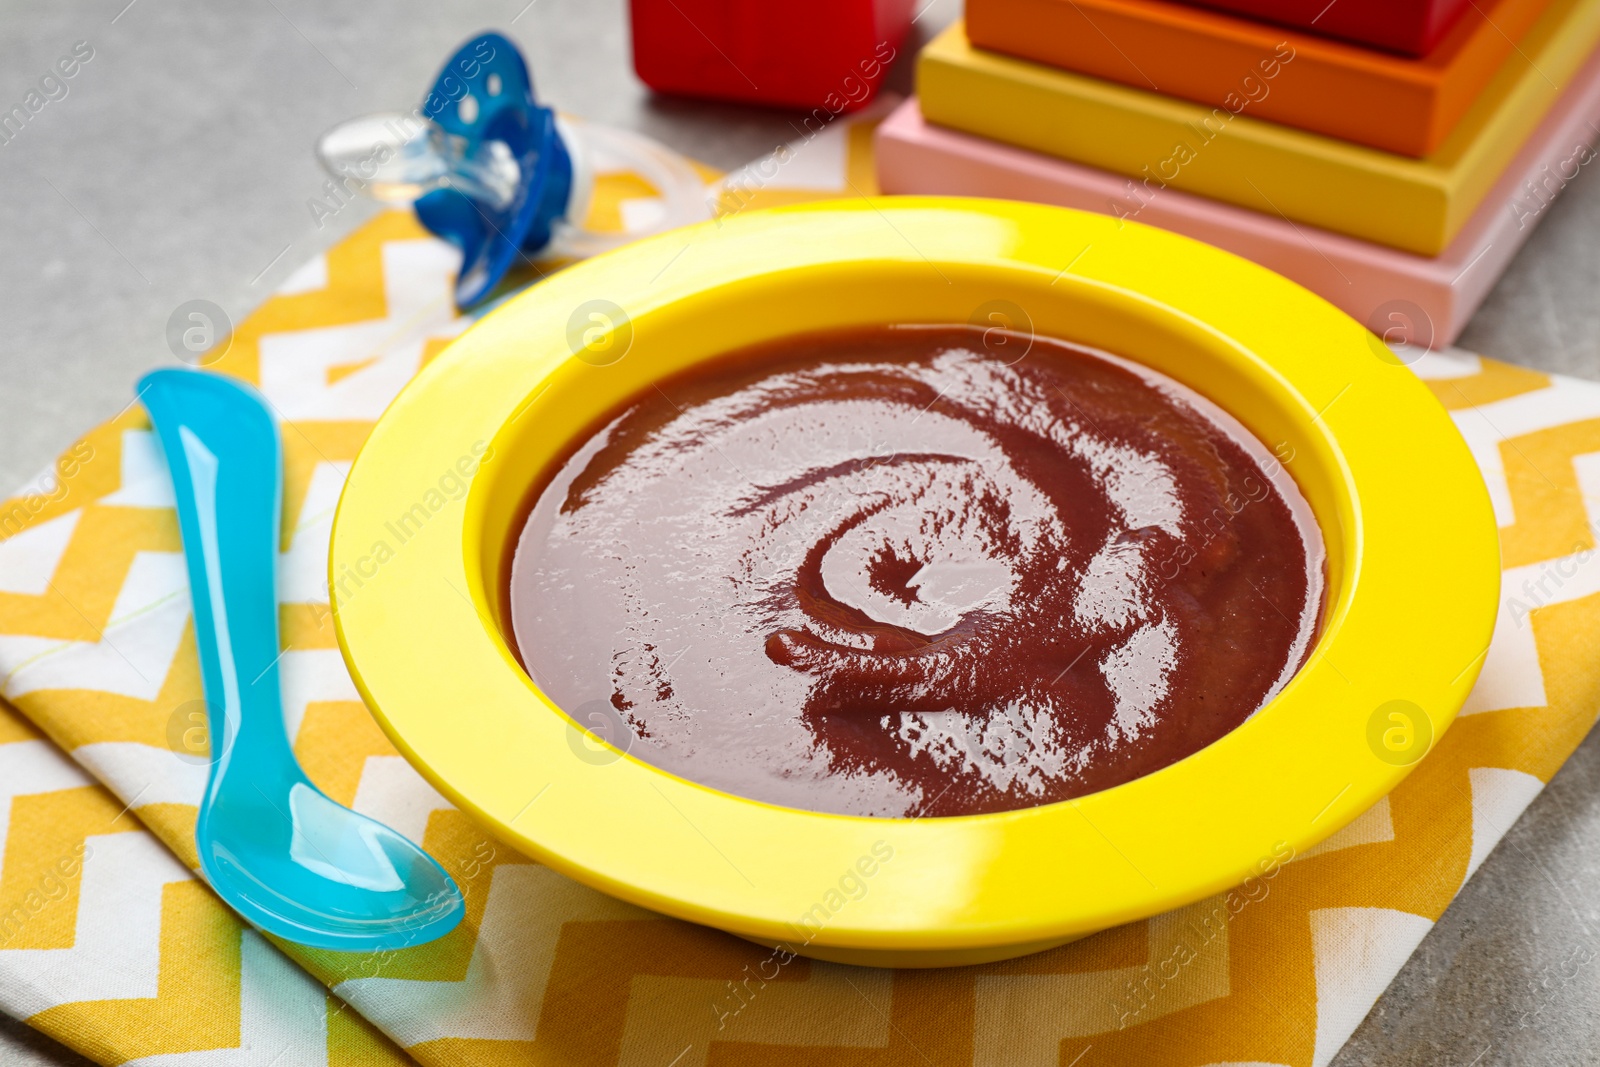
[{"x": 221, "y": 445}]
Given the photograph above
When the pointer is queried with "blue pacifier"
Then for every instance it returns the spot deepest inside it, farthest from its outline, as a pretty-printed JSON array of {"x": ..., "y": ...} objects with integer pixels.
[{"x": 496, "y": 174}]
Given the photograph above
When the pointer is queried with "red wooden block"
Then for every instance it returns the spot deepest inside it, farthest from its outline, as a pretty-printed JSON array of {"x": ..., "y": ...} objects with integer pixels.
[
  {"x": 1411, "y": 27},
  {"x": 827, "y": 54}
]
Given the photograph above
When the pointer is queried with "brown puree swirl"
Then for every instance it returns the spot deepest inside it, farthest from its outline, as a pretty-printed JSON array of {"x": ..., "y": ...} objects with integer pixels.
[{"x": 883, "y": 572}]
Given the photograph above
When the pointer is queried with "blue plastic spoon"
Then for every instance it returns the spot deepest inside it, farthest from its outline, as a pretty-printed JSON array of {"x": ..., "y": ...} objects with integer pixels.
[{"x": 279, "y": 851}]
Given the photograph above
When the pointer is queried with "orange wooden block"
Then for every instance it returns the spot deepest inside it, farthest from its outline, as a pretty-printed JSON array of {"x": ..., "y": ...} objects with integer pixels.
[{"x": 1385, "y": 101}]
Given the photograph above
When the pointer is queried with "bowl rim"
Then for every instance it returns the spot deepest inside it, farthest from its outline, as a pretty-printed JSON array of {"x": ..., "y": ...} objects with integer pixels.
[{"x": 419, "y": 632}]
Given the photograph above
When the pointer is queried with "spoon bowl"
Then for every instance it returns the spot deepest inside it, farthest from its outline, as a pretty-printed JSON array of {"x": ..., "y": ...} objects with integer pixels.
[{"x": 338, "y": 879}]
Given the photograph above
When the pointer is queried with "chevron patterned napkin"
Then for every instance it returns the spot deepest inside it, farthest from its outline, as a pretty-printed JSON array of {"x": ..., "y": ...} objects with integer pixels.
[
  {"x": 112, "y": 947},
  {"x": 97, "y": 650}
]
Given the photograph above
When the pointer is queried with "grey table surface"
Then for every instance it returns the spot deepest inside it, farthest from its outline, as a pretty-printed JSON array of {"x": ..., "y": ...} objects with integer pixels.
[{"x": 179, "y": 166}]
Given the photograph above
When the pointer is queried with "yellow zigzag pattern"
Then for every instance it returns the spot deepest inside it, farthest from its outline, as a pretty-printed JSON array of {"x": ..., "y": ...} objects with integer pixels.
[{"x": 47, "y": 850}]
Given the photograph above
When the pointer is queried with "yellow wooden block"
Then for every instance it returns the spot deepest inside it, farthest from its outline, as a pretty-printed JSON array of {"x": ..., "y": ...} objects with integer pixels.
[{"x": 1413, "y": 204}]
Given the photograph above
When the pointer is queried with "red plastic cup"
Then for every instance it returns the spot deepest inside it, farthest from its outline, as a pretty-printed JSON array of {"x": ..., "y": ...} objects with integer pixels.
[{"x": 828, "y": 54}]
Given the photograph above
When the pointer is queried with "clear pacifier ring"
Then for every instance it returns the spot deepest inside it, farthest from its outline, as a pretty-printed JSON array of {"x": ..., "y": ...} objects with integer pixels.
[{"x": 600, "y": 149}]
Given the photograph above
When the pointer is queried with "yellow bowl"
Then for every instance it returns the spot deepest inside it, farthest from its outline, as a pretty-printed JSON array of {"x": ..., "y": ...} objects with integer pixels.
[{"x": 418, "y": 577}]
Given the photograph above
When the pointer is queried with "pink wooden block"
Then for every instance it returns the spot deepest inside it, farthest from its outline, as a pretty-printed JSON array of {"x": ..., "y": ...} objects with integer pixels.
[{"x": 1401, "y": 296}]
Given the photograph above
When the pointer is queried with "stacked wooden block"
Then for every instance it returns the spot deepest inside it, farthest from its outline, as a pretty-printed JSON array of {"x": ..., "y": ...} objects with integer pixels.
[{"x": 1390, "y": 154}]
